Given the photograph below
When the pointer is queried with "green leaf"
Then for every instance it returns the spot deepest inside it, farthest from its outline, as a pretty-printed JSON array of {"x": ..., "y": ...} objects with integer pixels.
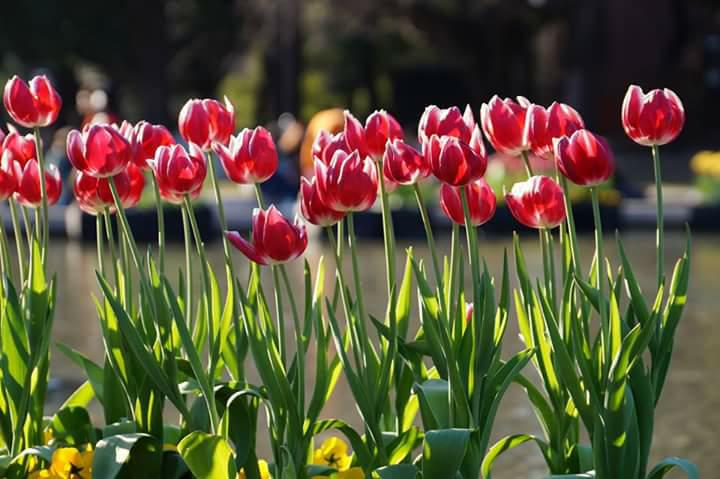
[
  {"x": 208, "y": 456},
  {"x": 507, "y": 443},
  {"x": 72, "y": 426},
  {"x": 668, "y": 464},
  {"x": 92, "y": 370},
  {"x": 444, "y": 451},
  {"x": 127, "y": 455},
  {"x": 434, "y": 406},
  {"x": 398, "y": 471}
]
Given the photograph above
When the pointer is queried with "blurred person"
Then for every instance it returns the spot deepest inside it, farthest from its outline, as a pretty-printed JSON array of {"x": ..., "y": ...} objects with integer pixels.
[
  {"x": 330, "y": 120},
  {"x": 289, "y": 136}
]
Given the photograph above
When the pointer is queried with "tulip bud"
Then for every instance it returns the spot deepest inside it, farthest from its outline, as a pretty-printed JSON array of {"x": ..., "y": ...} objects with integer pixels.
[
  {"x": 21, "y": 148},
  {"x": 355, "y": 135},
  {"x": 100, "y": 150},
  {"x": 136, "y": 179},
  {"x": 381, "y": 127},
  {"x": 250, "y": 157},
  {"x": 542, "y": 126},
  {"x": 274, "y": 239},
  {"x": 33, "y": 105},
  {"x": 348, "y": 183},
  {"x": 653, "y": 118},
  {"x": 312, "y": 207},
  {"x": 537, "y": 202},
  {"x": 93, "y": 195},
  {"x": 503, "y": 122},
  {"x": 8, "y": 177},
  {"x": 178, "y": 171},
  {"x": 403, "y": 164},
  {"x": 206, "y": 121},
  {"x": 146, "y": 139},
  {"x": 453, "y": 161},
  {"x": 28, "y": 191},
  {"x": 446, "y": 122},
  {"x": 326, "y": 145},
  {"x": 584, "y": 158},
  {"x": 481, "y": 201}
]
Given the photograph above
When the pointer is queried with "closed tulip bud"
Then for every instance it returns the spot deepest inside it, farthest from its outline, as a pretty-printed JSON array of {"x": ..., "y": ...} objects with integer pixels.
[
  {"x": 146, "y": 139},
  {"x": 481, "y": 201},
  {"x": 33, "y": 105},
  {"x": 312, "y": 207},
  {"x": 136, "y": 179},
  {"x": 8, "y": 177},
  {"x": 324, "y": 148},
  {"x": 503, "y": 122},
  {"x": 100, "y": 150},
  {"x": 453, "y": 161},
  {"x": 21, "y": 148},
  {"x": 205, "y": 122},
  {"x": 537, "y": 202},
  {"x": 542, "y": 126},
  {"x": 321, "y": 142},
  {"x": 469, "y": 310},
  {"x": 446, "y": 122},
  {"x": 653, "y": 118},
  {"x": 178, "y": 171},
  {"x": 28, "y": 191},
  {"x": 348, "y": 183},
  {"x": 93, "y": 195},
  {"x": 274, "y": 239},
  {"x": 250, "y": 157},
  {"x": 381, "y": 127},
  {"x": 584, "y": 158},
  {"x": 403, "y": 164}
]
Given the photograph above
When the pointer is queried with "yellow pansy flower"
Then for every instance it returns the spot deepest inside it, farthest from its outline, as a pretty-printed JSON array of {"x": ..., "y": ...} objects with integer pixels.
[
  {"x": 70, "y": 463},
  {"x": 264, "y": 471}
]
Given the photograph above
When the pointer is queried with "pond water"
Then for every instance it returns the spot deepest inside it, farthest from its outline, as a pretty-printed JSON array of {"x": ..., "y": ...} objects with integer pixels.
[{"x": 688, "y": 418}]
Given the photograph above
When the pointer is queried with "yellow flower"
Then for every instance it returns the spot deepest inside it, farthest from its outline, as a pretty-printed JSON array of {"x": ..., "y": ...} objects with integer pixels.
[
  {"x": 352, "y": 473},
  {"x": 48, "y": 435},
  {"x": 264, "y": 471},
  {"x": 333, "y": 453},
  {"x": 41, "y": 474},
  {"x": 69, "y": 463}
]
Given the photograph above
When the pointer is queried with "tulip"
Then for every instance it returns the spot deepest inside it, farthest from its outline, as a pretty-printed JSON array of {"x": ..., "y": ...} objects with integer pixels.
[
  {"x": 584, "y": 158},
  {"x": 8, "y": 177},
  {"x": 28, "y": 191},
  {"x": 312, "y": 207},
  {"x": 503, "y": 122},
  {"x": 136, "y": 179},
  {"x": 250, "y": 157},
  {"x": 21, "y": 148},
  {"x": 178, "y": 171},
  {"x": 206, "y": 121},
  {"x": 326, "y": 145},
  {"x": 33, "y": 105},
  {"x": 469, "y": 310},
  {"x": 100, "y": 150},
  {"x": 537, "y": 202},
  {"x": 542, "y": 126},
  {"x": 274, "y": 239},
  {"x": 349, "y": 183},
  {"x": 146, "y": 139},
  {"x": 446, "y": 122},
  {"x": 93, "y": 195},
  {"x": 453, "y": 161},
  {"x": 380, "y": 128},
  {"x": 354, "y": 134},
  {"x": 481, "y": 201},
  {"x": 403, "y": 164},
  {"x": 653, "y": 118}
]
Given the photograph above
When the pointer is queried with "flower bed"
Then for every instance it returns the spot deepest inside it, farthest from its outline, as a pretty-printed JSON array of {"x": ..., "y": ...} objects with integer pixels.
[{"x": 427, "y": 390}]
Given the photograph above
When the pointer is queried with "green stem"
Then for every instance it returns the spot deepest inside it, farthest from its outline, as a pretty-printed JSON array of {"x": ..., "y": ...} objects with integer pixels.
[
  {"x": 338, "y": 248},
  {"x": 352, "y": 240},
  {"x": 299, "y": 342},
  {"x": 120, "y": 211},
  {"x": 210, "y": 398},
  {"x": 4, "y": 255},
  {"x": 388, "y": 232},
  {"x": 660, "y": 234},
  {"x": 188, "y": 269},
  {"x": 601, "y": 276},
  {"x": 160, "y": 222},
  {"x": 17, "y": 233},
  {"x": 572, "y": 233},
  {"x": 43, "y": 193},
  {"x": 111, "y": 246},
  {"x": 471, "y": 240},
  {"x": 99, "y": 243},
  {"x": 430, "y": 237},
  {"x": 526, "y": 160},
  {"x": 259, "y": 196},
  {"x": 454, "y": 258},
  {"x": 279, "y": 313}
]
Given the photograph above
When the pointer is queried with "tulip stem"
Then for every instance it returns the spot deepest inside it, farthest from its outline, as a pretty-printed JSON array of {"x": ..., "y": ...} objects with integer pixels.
[
  {"x": 299, "y": 341},
  {"x": 570, "y": 224},
  {"x": 125, "y": 225},
  {"x": 454, "y": 257},
  {"x": 388, "y": 232},
  {"x": 471, "y": 240},
  {"x": 43, "y": 192},
  {"x": 160, "y": 222},
  {"x": 660, "y": 233},
  {"x": 221, "y": 215},
  {"x": 338, "y": 250},
  {"x": 4, "y": 254},
  {"x": 429, "y": 235},
  {"x": 99, "y": 243},
  {"x": 188, "y": 269},
  {"x": 526, "y": 160},
  {"x": 259, "y": 196},
  {"x": 352, "y": 240},
  {"x": 111, "y": 246},
  {"x": 601, "y": 276},
  {"x": 17, "y": 233}
]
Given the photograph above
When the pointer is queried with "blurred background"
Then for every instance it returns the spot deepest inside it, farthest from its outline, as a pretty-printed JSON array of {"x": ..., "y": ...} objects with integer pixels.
[{"x": 282, "y": 61}]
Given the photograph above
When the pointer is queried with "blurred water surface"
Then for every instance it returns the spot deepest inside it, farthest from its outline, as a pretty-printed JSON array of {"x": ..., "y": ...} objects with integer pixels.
[{"x": 688, "y": 418}]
